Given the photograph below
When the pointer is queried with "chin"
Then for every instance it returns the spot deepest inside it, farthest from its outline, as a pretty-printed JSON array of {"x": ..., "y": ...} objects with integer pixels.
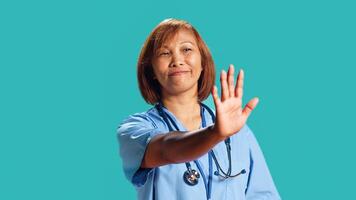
[{"x": 180, "y": 89}]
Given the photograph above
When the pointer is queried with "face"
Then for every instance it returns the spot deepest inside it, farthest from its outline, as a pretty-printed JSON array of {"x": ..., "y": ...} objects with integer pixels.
[{"x": 177, "y": 64}]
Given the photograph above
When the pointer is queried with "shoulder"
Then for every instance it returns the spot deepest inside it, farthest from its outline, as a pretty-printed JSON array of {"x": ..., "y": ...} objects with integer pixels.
[
  {"x": 142, "y": 118},
  {"x": 147, "y": 119},
  {"x": 245, "y": 134},
  {"x": 249, "y": 136},
  {"x": 246, "y": 130}
]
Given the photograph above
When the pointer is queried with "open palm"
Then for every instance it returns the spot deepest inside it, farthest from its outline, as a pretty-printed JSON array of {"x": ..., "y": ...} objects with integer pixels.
[{"x": 231, "y": 116}]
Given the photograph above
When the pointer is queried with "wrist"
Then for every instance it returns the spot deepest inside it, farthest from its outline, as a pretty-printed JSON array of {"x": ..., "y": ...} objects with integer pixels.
[{"x": 214, "y": 134}]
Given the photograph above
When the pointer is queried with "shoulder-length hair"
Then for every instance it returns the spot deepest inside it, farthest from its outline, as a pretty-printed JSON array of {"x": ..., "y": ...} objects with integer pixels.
[{"x": 150, "y": 87}]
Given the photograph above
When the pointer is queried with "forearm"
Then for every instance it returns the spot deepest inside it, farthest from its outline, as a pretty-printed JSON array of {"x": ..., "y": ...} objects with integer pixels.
[{"x": 178, "y": 147}]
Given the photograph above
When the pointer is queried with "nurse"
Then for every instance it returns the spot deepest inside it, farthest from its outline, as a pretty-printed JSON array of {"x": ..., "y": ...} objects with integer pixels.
[{"x": 180, "y": 148}]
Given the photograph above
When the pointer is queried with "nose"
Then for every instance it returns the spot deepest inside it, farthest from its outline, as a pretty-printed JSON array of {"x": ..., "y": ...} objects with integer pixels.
[{"x": 177, "y": 60}]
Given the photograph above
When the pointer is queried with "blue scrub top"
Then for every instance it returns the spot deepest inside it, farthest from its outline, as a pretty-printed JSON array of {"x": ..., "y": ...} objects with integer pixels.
[{"x": 166, "y": 182}]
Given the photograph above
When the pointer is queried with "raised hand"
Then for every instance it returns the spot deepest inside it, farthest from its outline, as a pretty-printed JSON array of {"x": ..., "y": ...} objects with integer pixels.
[{"x": 230, "y": 115}]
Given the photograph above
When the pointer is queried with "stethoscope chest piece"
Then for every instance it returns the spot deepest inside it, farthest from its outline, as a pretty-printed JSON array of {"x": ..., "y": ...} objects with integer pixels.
[{"x": 191, "y": 177}]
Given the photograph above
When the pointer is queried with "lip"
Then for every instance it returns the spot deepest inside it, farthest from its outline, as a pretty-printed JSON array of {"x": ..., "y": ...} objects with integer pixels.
[{"x": 178, "y": 73}]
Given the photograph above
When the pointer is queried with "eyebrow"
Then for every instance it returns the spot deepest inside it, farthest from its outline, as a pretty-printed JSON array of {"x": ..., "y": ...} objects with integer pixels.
[
  {"x": 187, "y": 42},
  {"x": 192, "y": 43}
]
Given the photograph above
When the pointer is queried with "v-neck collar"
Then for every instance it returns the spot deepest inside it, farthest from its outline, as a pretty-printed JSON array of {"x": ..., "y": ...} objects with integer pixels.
[{"x": 179, "y": 124}]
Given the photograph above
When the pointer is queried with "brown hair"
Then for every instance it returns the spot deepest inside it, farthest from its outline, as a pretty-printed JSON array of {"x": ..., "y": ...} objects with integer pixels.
[{"x": 149, "y": 87}]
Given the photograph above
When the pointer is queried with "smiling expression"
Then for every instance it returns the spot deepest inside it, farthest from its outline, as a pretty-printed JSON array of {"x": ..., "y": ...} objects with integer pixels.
[{"x": 177, "y": 64}]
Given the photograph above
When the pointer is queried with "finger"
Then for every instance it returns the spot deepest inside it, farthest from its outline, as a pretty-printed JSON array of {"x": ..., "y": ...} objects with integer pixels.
[
  {"x": 216, "y": 98},
  {"x": 224, "y": 87},
  {"x": 250, "y": 106},
  {"x": 230, "y": 80},
  {"x": 239, "y": 84}
]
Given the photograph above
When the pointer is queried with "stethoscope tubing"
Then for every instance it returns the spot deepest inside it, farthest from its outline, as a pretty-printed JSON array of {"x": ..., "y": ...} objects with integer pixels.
[
  {"x": 207, "y": 183},
  {"x": 211, "y": 154}
]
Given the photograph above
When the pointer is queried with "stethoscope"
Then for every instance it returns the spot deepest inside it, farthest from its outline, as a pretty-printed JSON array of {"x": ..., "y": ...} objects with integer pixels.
[{"x": 191, "y": 176}]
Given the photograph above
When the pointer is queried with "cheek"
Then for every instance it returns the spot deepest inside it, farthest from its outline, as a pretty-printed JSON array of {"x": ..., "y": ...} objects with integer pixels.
[
  {"x": 158, "y": 68},
  {"x": 157, "y": 75},
  {"x": 195, "y": 61}
]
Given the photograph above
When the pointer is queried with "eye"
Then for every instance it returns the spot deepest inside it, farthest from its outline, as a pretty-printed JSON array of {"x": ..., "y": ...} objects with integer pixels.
[
  {"x": 164, "y": 53},
  {"x": 187, "y": 49}
]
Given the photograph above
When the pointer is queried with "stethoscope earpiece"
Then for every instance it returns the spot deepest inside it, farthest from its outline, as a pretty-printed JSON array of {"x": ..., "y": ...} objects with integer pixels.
[{"x": 216, "y": 173}]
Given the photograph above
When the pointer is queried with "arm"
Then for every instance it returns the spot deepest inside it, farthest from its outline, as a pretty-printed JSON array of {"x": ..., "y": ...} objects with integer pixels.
[{"x": 175, "y": 147}]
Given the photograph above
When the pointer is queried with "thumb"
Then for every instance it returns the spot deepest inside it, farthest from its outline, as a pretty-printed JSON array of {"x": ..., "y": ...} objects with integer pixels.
[{"x": 250, "y": 106}]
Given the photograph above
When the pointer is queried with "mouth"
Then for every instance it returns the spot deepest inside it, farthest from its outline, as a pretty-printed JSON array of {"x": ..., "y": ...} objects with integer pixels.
[{"x": 178, "y": 73}]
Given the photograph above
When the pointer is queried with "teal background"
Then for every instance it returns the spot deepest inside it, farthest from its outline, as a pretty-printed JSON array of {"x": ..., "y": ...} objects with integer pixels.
[{"x": 67, "y": 79}]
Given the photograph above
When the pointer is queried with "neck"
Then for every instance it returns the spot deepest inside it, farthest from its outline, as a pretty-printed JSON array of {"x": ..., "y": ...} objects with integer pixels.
[
  {"x": 184, "y": 107},
  {"x": 181, "y": 106}
]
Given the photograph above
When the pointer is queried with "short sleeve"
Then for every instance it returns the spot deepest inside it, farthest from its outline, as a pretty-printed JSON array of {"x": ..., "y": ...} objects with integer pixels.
[
  {"x": 134, "y": 134},
  {"x": 260, "y": 183}
]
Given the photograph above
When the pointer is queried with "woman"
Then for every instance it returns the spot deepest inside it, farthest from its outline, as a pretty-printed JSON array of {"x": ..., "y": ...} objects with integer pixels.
[{"x": 178, "y": 149}]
